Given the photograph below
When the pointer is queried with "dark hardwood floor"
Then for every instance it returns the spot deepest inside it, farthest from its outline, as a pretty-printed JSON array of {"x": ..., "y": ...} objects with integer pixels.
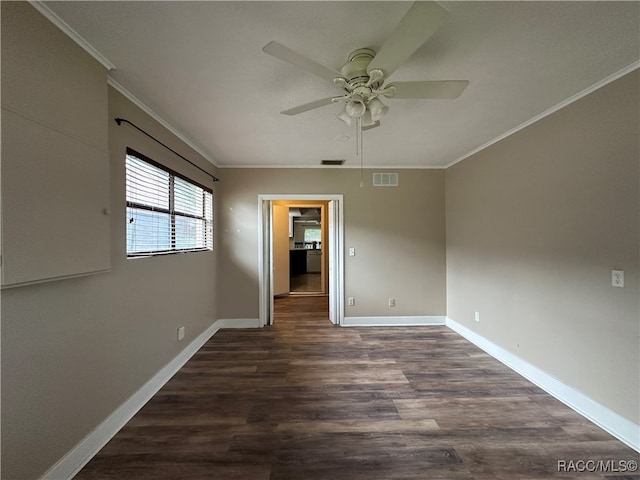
[{"x": 307, "y": 400}]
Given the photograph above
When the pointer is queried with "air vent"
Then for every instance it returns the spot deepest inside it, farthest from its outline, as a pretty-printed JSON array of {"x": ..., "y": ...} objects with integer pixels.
[
  {"x": 385, "y": 179},
  {"x": 332, "y": 162}
]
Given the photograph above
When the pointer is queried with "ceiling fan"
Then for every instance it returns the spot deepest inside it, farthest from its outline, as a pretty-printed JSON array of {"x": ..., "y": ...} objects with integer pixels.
[{"x": 363, "y": 78}]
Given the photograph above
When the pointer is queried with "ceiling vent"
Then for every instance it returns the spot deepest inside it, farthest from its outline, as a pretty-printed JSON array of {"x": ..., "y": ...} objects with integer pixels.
[
  {"x": 332, "y": 162},
  {"x": 385, "y": 179}
]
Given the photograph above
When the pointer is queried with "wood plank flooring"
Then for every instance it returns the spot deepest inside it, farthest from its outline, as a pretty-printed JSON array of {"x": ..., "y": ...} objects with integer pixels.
[
  {"x": 305, "y": 283},
  {"x": 307, "y": 400}
]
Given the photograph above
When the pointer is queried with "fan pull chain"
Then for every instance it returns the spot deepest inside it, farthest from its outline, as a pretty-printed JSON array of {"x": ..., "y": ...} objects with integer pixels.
[{"x": 359, "y": 145}]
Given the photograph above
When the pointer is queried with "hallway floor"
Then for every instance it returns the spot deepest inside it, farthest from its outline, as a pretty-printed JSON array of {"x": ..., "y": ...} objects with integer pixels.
[
  {"x": 306, "y": 400},
  {"x": 306, "y": 283}
]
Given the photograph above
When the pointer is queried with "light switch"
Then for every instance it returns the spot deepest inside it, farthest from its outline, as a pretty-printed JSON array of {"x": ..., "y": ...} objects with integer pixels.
[{"x": 352, "y": 252}]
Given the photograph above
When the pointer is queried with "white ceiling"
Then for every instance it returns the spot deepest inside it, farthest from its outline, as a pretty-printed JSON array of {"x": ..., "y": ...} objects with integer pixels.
[{"x": 200, "y": 66}]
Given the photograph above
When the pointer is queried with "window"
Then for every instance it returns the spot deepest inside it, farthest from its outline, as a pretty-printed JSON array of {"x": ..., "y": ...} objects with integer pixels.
[
  {"x": 312, "y": 234},
  {"x": 166, "y": 213}
]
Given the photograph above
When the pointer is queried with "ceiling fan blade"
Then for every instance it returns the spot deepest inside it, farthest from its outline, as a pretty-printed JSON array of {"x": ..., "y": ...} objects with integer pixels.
[
  {"x": 283, "y": 53},
  {"x": 308, "y": 106},
  {"x": 373, "y": 125},
  {"x": 418, "y": 24},
  {"x": 430, "y": 89}
]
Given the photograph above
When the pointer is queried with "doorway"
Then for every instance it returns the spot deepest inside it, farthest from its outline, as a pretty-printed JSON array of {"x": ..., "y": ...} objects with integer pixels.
[
  {"x": 308, "y": 247},
  {"x": 289, "y": 261}
]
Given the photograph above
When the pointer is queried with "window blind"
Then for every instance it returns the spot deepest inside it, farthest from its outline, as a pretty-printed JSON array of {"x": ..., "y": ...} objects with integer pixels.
[{"x": 166, "y": 212}]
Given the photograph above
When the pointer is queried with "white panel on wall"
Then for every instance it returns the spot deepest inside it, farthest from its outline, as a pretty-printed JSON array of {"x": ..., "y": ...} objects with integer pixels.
[{"x": 55, "y": 201}]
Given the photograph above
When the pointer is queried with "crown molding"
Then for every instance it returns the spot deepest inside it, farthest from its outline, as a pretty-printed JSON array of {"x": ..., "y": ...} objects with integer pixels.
[
  {"x": 149, "y": 111},
  {"x": 71, "y": 33},
  {"x": 333, "y": 167},
  {"x": 605, "y": 81},
  {"x": 104, "y": 61}
]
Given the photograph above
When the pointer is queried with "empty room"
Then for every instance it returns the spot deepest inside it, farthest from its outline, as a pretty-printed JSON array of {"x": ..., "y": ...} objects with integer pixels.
[{"x": 315, "y": 240}]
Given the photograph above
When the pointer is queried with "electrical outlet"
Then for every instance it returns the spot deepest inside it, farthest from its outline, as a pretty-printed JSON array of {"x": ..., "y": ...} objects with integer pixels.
[
  {"x": 180, "y": 333},
  {"x": 476, "y": 316},
  {"x": 617, "y": 278},
  {"x": 392, "y": 302},
  {"x": 352, "y": 252},
  {"x": 352, "y": 301}
]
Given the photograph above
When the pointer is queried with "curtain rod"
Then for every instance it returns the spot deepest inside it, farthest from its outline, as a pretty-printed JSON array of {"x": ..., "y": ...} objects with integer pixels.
[{"x": 119, "y": 122}]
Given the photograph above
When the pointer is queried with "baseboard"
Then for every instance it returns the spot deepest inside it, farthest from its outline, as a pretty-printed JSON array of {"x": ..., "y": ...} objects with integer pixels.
[
  {"x": 69, "y": 465},
  {"x": 239, "y": 323},
  {"x": 406, "y": 321},
  {"x": 620, "y": 427}
]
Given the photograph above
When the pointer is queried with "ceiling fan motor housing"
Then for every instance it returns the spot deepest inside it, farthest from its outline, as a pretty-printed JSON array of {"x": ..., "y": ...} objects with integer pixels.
[{"x": 356, "y": 70}]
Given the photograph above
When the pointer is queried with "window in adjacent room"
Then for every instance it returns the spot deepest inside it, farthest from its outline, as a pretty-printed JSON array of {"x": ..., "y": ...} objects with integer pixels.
[
  {"x": 166, "y": 212},
  {"x": 312, "y": 234}
]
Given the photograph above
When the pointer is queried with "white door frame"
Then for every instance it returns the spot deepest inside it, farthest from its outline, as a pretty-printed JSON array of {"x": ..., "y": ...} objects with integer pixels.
[{"x": 265, "y": 279}]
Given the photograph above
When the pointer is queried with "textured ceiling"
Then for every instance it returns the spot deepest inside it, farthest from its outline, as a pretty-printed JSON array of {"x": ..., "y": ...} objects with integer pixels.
[{"x": 200, "y": 66}]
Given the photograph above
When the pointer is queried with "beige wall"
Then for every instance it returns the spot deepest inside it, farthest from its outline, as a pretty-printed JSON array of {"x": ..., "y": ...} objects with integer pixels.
[
  {"x": 398, "y": 234},
  {"x": 74, "y": 350},
  {"x": 535, "y": 224},
  {"x": 281, "y": 273}
]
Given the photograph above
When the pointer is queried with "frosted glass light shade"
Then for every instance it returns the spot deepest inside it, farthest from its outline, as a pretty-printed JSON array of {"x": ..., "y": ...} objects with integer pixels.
[
  {"x": 367, "y": 119},
  {"x": 378, "y": 109},
  {"x": 355, "y": 107},
  {"x": 344, "y": 116}
]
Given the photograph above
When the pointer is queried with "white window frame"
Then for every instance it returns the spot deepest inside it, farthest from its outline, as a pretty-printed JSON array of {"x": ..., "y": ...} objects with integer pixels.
[{"x": 203, "y": 240}]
